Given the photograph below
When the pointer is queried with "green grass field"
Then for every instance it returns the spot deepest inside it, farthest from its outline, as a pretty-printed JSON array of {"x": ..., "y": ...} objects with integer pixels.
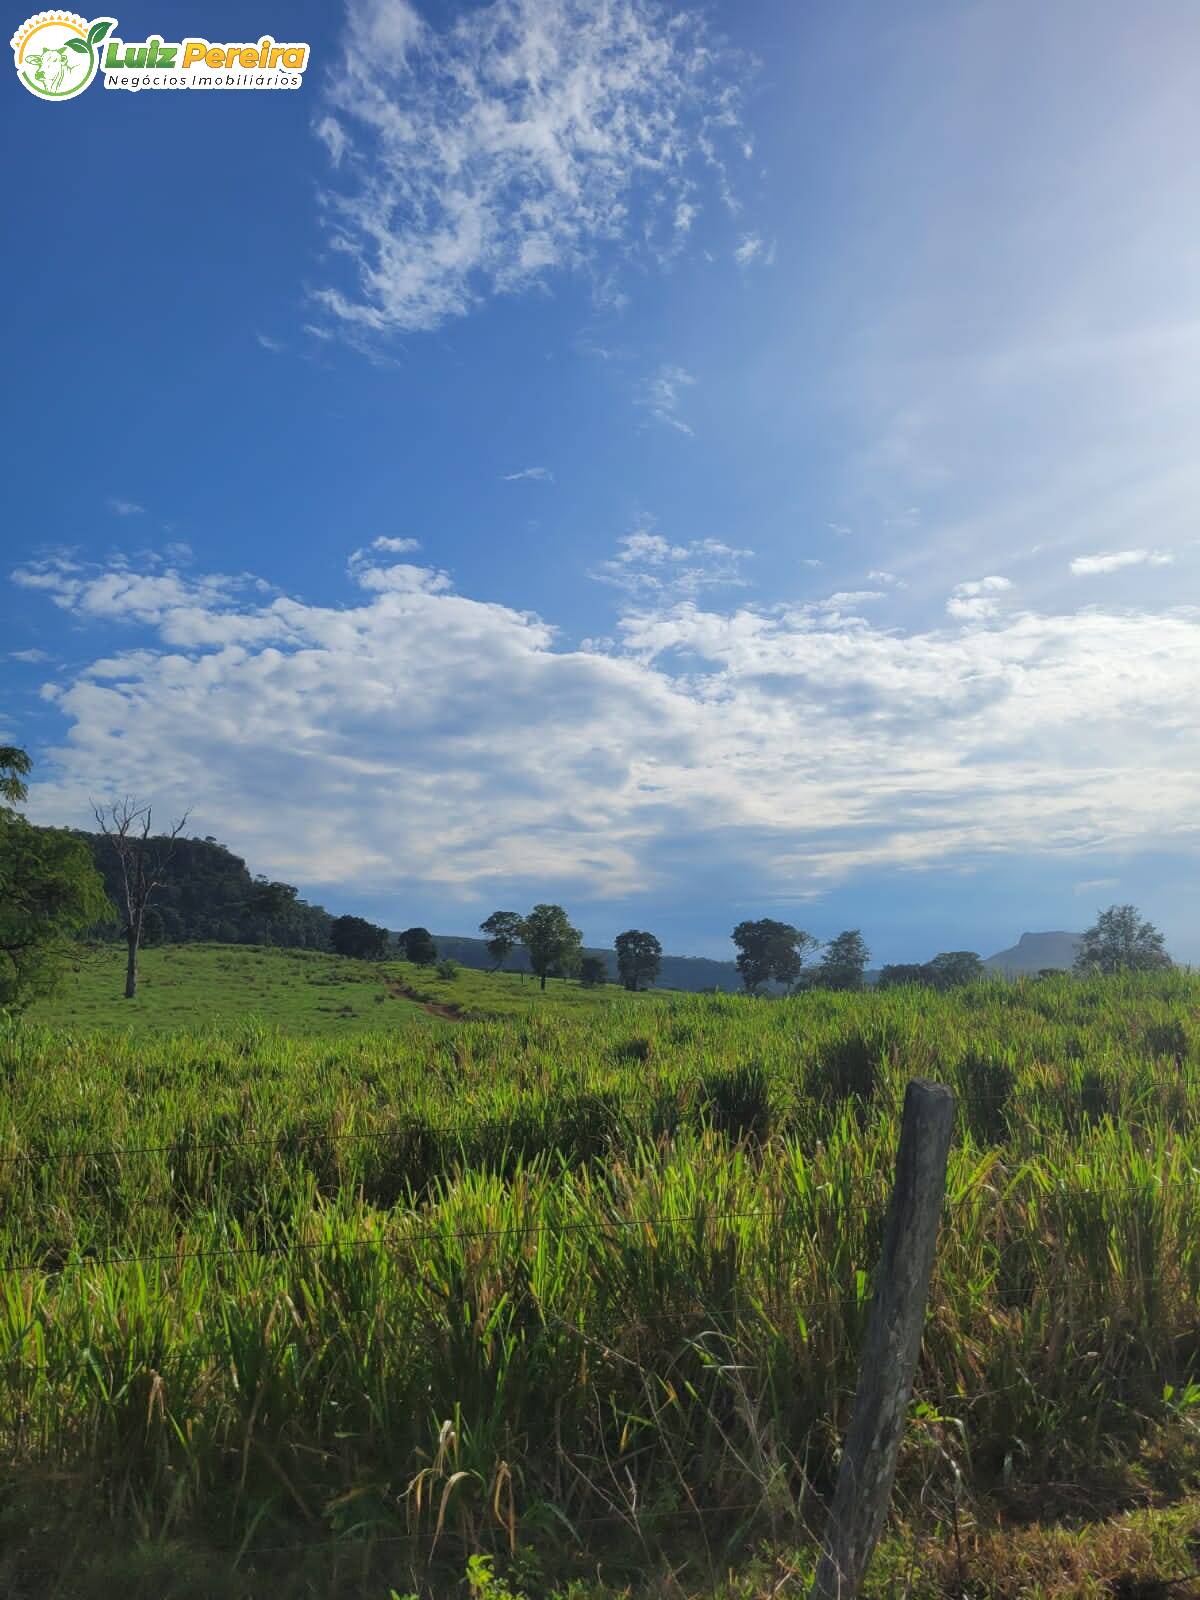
[
  {"x": 297, "y": 991},
  {"x": 330, "y": 1311}
]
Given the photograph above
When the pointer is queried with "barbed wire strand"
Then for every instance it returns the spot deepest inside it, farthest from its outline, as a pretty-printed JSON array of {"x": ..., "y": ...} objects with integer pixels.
[{"x": 182, "y": 1145}]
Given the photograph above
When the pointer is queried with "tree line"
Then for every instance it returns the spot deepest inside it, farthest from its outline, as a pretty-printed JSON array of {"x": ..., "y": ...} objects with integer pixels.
[{"x": 54, "y": 889}]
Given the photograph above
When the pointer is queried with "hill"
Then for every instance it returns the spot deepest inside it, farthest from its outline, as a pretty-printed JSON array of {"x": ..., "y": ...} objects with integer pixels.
[
  {"x": 208, "y": 895},
  {"x": 1034, "y": 952}
]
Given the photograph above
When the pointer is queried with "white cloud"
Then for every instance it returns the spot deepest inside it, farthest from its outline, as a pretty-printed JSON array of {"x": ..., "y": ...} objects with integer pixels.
[
  {"x": 419, "y": 736},
  {"x": 28, "y": 655},
  {"x": 974, "y": 601},
  {"x": 660, "y": 395},
  {"x": 685, "y": 214},
  {"x": 273, "y": 345},
  {"x": 521, "y": 138},
  {"x": 753, "y": 247},
  {"x": 1085, "y": 566},
  {"x": 334, "y": 137},
  {"x": 372, "y": 573},
  {"x": 537, "y": 474},
  {"x": 394, "y": 546},
  {"x": 118, "y": 593},
  {"x": 647, "y": 564},
  {"x": 850, "y": 597},
  {"x": 125, "y": 508}
]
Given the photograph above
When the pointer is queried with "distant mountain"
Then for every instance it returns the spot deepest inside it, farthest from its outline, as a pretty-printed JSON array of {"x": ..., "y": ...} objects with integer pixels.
[
  {"x": 1034, "y": 951},
  {"x": 1031, "y": 953}
]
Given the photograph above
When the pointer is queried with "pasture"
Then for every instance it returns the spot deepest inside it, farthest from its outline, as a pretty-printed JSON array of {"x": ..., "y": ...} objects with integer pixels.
[
  {"x": 581, "y": 1289},
  {"x": 192, "y": 986}
]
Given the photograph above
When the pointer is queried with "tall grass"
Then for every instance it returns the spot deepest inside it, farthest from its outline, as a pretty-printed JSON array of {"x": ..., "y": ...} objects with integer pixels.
[{"x": 496, "y": 1286}]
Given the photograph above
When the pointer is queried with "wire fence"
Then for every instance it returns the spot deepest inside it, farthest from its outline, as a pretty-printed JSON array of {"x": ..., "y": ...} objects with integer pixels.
[{"x": 183, "y": 1144}]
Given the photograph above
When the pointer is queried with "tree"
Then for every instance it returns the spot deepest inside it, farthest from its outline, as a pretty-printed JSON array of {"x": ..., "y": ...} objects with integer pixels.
[
  {"x": 552, "y": 942},
  {"x": 593, "y": 972},
  {"x": 1120, "y": 940},
  {"x": 900, "y": 974},
  {"x": 49, "y": 891},
  {"x": 639, "y": 958},
  {"x": 769, "y": 950},
  {"x": 418, "y": 946},
  {"x": 503, "y": 929},
  {"x": 15, "y": 767},
  {"x": 843, "y": 962},
  {"x": 950, "y": 969},
  {"x": 355, "y": 936},
  {"x": 142, "y": 865}
]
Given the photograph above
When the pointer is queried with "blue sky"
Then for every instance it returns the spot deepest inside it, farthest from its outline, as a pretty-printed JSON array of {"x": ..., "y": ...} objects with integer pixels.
[{"x": 689, "y": 464}]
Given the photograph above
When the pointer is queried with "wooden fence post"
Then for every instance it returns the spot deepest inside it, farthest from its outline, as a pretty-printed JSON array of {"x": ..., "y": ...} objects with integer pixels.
[{"x": 892, "y": 1343}]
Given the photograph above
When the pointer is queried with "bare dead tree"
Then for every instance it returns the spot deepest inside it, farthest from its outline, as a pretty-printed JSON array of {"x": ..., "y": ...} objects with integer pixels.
[{"x": 143, "y": 862}]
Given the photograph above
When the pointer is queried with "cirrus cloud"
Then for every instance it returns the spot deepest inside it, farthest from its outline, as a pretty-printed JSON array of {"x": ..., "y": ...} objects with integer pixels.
[{"x": 524, "y": 137}]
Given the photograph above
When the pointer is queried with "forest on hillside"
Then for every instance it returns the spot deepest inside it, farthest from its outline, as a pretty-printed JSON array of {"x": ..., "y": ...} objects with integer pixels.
[{"x": 209, "y": 895}]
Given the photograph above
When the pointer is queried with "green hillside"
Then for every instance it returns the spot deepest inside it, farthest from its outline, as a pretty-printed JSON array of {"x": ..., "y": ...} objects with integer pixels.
[{"x": 296, "y": 991}]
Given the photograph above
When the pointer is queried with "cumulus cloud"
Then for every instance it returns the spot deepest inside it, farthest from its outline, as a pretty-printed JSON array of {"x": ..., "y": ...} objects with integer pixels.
[
  {"x": 370, "y": 569},
  {"x": 1086, "y": 566},
  {"x": 31, "y": 656},
  {"x": 522, "y": 138},
  {"x": 421, "y": 736},
  {"x": 125, "y": 508},
  {"x": 975, "y": 601}
]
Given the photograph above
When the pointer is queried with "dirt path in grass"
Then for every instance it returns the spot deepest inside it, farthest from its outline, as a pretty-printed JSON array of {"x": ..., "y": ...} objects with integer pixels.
[{"x": 434, "y": 1007}]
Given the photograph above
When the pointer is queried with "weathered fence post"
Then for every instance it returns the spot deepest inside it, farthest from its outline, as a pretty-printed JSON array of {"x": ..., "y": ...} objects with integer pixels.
[{"x": 892, "y": 1343}]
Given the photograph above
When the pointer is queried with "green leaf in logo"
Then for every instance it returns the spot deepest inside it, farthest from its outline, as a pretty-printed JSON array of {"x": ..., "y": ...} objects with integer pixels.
[
  {"x": 77, "y": 44},
  {"x": 97, "y": 31}
]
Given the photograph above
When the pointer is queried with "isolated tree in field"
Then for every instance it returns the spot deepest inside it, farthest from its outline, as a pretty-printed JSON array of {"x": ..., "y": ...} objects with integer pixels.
[
  {"x": 1120, "y": 940},
  {"x": 503, "y": 930},
  {"x": 552, "y": 942},
  {"x": 593, "y": 972},
  {"x": 49, "y": 892},
  {"x": 843, "y": 962},
  {"x": 950, "y": 969},
  {"x": 639, "y": 958},
  {"x": 771, "y": 951},
  {"x": 418, "y": 946},
  {"x": 355, "y": 936},
  {"x": 143, "y": 863}
]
